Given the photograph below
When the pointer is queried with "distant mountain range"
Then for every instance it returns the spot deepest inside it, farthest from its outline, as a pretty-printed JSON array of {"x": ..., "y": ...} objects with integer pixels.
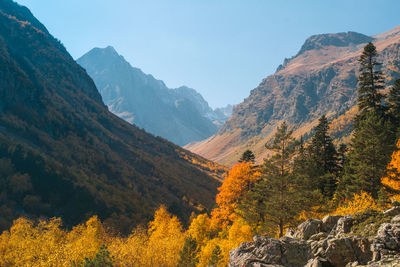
[
  {"x": 63, "y": 154},
  {"x": 180, "y": 115},
  {"x": 320, "y": 79}
]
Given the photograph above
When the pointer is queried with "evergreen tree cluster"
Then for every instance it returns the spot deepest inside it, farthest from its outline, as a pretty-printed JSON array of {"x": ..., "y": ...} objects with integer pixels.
[{"x": 305, "y": 176}]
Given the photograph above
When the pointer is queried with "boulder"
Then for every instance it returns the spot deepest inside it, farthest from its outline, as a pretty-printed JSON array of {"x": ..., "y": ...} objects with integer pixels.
[
  {"x": 290, "y": 232},
  {"x": 329, "y": 222},
  {"x": 341, "y": 251},
  {"x": 295, "y": 252},
  {"x": 265, "y": 251},
  {"x": 307, "y": 229},
  {"x": 392, "y": 211},
  {"x": 318, "y": 262},
  {"x": 387, "y": 239},
  {"x": 396, "y": 219},
  {"x": 318, "y": 237},
  {"x": 318, "y": 248},
  {"x": 343, "y": 225}
]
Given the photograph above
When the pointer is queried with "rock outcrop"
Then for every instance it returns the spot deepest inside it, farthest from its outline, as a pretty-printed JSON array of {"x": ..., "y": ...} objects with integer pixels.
[{"x": 333, "y": 241}]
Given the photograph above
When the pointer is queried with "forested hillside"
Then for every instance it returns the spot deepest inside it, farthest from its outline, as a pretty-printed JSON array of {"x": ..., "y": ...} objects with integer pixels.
[{"x": 62, "y": 153}]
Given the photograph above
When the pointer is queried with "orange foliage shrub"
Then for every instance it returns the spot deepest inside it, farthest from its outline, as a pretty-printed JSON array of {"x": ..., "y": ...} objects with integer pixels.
[
  {"x": 360, "y": 202},
  {"x": 392, "y": 180},
  {"x": 238, "y": 181}
]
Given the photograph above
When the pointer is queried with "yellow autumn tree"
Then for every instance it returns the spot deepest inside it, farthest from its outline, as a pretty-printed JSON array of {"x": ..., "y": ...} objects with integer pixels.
[
  {"x": 227, "y": 239},
  {"x": 391, "y": 181},
  {"x": 131, "y": 251},
  {"x": 47, "y": 244},
  {"x": 201, "y": 229},
  {"x": 166, "y": 239},
  {"x": 84, "y": 240},
  {"x": 360, "y": 202},
  {"x": 238, "y": 181},
  {"x": 27, "y": 244}
]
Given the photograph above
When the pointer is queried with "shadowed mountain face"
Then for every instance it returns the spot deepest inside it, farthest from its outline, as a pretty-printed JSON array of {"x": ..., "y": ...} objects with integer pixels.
[
  {"x": 320, "y": 79},
  {"x": 180, "y": 115},
  {"x": 62, "y": 153}
]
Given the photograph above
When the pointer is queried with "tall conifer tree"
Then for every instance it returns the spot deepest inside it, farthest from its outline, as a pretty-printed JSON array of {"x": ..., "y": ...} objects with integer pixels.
[
  {"x": 374, "y": 139},
  {"x": 276, "y": 200},
  {"x": 394, "y": 102},
  {"x": 370, "y": 81},
  {"x": 323, "y": 158}
]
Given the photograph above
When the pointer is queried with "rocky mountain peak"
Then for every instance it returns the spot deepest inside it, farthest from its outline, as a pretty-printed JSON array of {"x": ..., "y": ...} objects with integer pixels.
[{"x": 334, "y": 39}]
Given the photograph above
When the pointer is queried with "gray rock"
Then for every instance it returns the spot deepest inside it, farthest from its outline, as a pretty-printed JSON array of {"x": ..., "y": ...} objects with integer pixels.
[
  {"x": 396, "y": 219},
  {"x": 290, "y": 232},
  {"x": 318, "y": 262},
  {"x": 387, "y": 238},
  {"x": 266, "y": 251},
  {"x": 352, "y": 264},
  {"x": 318, "y": 248},
  {"x": 307, "y": 229},
  {"x": 338, "y": 248},
  {"x": 341, "y": 251},
  {"x": 329, "y": 222},
  {"x": 392, "y": 211},
  {"x": 343, "y": 225},
  {"x": 318, "y": 237}
]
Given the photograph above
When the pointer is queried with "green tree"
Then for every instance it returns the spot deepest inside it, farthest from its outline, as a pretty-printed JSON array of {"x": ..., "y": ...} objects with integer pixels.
[
  {"x": 323, "y": 157},
  {"x": 276, "y": 200},
  {"x": 374, "y": 132},
  {"x": 371, "y": 149},
  {"x": 247, "y": 156},
  {"x": 341, "y": 158},
  {"x": 370, "y": 81},
  {"x": 102, "y": 259},
  {"x": 188, "y": 254},
  {"x": 216, "y": 257},
  {"x": 394, "y": 102}
]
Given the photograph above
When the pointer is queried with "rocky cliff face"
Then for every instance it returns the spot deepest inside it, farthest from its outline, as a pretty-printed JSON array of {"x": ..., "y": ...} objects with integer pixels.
[
  {"x": 63, "y": 154},
  {"x": 369, "y": 238},
  {"x": 180, "y": 115},
  {"x": 320, "y": 79}
]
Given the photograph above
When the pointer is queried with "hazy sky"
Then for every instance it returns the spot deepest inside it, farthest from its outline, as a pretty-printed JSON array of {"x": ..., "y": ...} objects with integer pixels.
[{"x": 221, "y": 48}]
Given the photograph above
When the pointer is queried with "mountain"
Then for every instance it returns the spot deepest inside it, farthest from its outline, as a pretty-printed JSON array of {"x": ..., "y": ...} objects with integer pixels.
[
  {"x": 180, "y": 115},
  {"x": 320, "y": 79},
  {"x": 62, "y": 153}
]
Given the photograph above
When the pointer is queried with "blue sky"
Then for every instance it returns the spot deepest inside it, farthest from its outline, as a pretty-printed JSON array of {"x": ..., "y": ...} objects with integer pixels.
[{"x": 221, "y": 48}]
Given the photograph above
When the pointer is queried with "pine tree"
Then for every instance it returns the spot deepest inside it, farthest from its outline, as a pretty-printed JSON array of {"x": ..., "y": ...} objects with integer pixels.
[
  {"x": 341, "y": 159},
  {"x": 276, "y": 199},
  {"x": 374, "y": 134},
  {"x": 370, "y": 81},
  {"x": 394, "y": 102},
  {"x": 371, "y": 148},
  {"x": 323, "y": 157},
  {"x": 247, "y": 156}
]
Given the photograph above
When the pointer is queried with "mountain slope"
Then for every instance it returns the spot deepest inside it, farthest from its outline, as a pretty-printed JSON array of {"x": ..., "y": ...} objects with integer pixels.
[
  {"x": 320, "y": 79},
  {"x": 180, "y": 115},
  {"x": 62, "y": 153}
]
